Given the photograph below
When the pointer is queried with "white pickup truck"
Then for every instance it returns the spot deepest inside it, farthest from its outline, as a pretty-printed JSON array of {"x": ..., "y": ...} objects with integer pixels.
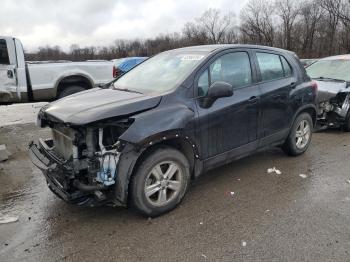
[{"x": 22, "y": 81}]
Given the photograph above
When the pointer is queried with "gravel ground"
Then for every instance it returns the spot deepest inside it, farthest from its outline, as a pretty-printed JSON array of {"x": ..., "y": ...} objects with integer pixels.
[{"x": 269, "y": 217}]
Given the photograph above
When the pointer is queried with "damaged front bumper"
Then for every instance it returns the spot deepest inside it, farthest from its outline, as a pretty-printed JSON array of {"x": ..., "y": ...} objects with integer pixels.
[{"x": 61, "y": 176}]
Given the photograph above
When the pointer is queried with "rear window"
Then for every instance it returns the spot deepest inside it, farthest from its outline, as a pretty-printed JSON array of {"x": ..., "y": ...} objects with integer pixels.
[
  {"x": 4, "y": 56},
  {"x": 270, "y": 66}
]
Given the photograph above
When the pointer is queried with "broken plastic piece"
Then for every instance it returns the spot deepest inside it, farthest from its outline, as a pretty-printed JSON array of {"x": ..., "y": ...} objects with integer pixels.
[
  {"x": 303, "y": 176},
  {"x": 232, "y": 193},
  {"x": 244, "y": 243},
  {"x": 5, "y": 219},
  {"x": 348, "y": 181},
  {"x": 274, "y": 170}
]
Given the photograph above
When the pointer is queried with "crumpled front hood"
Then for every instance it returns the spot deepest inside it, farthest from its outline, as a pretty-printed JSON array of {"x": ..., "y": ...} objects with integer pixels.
[
  {"x": 97, "y": 104},
  {"x": 329, "y": 89}
]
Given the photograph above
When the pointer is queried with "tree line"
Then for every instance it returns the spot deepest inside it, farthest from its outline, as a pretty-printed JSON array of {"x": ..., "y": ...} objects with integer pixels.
[{"x": 311, "y": 28}]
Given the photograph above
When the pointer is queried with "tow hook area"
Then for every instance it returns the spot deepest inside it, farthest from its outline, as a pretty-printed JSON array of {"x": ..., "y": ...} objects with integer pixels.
[{"x": 88, "y": 188}]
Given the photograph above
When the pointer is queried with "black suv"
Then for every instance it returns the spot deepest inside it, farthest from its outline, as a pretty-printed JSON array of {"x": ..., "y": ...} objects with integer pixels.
[{"x": 139, "y": 140}]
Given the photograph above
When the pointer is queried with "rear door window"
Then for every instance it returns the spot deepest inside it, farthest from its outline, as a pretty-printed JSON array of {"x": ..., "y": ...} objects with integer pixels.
[
  {"x": 4, "y": 56},
  {"x": 270, "y": 66}
]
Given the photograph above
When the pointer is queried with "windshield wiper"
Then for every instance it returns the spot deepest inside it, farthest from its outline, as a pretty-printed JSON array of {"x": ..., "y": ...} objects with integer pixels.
[
  {"x": 128, "y": 90},
  {"x": 321, "y": 78}
]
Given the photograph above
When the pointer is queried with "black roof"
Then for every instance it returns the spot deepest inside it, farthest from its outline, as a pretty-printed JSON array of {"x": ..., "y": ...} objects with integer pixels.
[{"x": 219, "y": 47}]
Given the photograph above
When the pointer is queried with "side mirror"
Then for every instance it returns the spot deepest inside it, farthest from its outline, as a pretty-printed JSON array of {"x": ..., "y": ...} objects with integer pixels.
[{"x": 216, "y": 90}]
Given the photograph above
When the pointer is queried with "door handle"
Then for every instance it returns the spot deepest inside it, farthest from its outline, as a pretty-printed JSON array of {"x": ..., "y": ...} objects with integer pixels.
[
  {"x": 293, "y": 85},
  {"x": 10, "y": 74},
  {"x": 253, "y": 100}
]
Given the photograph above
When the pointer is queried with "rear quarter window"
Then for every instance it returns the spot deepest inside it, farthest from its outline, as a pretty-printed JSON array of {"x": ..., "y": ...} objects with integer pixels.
[
  {"x": 4, "y": 57},
  {"x": 286, "y": 67}
]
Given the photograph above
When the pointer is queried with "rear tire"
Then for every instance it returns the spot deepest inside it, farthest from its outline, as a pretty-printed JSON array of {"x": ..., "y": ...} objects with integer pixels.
[
  {"x": 69, "y": 90},
  {"x": 299, "y": 138},
  {"x": 160, "y": 182}
]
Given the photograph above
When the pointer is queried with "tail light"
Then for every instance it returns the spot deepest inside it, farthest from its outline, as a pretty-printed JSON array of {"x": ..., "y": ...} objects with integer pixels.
[{"x": 115, "y": 72}]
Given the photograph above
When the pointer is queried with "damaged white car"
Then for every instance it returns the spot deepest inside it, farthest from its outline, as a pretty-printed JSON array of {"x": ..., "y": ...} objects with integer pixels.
[{"x": 332, "y": 75}]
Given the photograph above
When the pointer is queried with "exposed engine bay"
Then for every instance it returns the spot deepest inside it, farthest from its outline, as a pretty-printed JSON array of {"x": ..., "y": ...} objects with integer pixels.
[
  {"x": 85, "y": 161},
  {"x": 334, "y": 103}
]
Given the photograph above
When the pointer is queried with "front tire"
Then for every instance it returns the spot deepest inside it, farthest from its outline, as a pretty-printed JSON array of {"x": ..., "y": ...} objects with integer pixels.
[
  {"x": 299, "y": 138},
  {"x": 160, "y": 182}
]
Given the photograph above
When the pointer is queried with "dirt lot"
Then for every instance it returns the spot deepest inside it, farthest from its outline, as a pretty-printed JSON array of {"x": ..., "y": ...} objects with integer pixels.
[{"x": 269, "y": 217}]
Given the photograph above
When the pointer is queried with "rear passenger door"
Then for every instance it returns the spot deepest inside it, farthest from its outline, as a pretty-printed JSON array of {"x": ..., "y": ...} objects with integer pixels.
[{"x": 276, "y": 79}]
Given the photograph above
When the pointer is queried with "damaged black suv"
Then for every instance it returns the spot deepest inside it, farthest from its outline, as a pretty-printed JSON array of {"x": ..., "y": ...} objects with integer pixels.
[{"x": 140, "y": 140}]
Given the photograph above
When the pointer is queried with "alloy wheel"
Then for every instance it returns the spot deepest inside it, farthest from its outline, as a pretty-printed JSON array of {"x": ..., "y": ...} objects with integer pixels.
[
  {"x": 163, "y": 183},
  {"x": 303, "y": 134}
]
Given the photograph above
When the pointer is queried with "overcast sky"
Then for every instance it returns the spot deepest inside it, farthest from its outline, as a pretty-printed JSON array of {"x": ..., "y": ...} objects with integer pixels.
[{"x": 99, "y": 22}]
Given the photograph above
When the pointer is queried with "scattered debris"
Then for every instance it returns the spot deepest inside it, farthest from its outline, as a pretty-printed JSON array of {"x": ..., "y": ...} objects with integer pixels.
[
  {"x": 303, "y": 176},
  {"x": 274, "y": 170},
  {"x": 201, "y": 223},
  {"x": 244, "y": 243},
  {"x": 348, "y": 181},
  {"x": 3, "y": 153},
  {"x": 26, "y": 250},
  {"x": 230, "y": 193},
  {"x": 29, "y": 218},
  {"x": 6, "y": 244},
  {"x": 238, "y": 179},
  {"x": 204, "y": 256},
  {"x": 5, "y": 219},
  {"x": 267, "y": 210}
]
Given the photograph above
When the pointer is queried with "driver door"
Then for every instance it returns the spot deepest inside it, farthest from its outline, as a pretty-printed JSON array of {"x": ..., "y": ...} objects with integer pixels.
[{"x": 230, "y": 125}]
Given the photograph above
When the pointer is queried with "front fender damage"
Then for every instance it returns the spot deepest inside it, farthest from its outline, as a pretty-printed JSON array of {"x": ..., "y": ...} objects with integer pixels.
[
  {"x": 173, "y": 123},
  {"x": 152, "y": 125}
]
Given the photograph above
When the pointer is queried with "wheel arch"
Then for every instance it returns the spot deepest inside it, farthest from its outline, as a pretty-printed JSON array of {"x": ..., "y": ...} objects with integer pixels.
[
  {"x": 133, "y": 158},
  {"x": 74, "y": 79},
  {"x": 310, "y": 109}
]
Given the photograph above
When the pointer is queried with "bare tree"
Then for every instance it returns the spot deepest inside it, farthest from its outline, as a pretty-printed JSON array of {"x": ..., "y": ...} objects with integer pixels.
[
  {"x": 310, "y": 16},
  {"x": 211, "y": 28},
  {"x": 311, "y": 28},
  {"x": 288, "y": 11},
  {"x": 257, "y": 24}
]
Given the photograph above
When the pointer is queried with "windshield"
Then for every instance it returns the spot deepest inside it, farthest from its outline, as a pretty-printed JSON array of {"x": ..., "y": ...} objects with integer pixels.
[
  {"x": 160, "y": 73},
  {"x": 336, "y": 69}
]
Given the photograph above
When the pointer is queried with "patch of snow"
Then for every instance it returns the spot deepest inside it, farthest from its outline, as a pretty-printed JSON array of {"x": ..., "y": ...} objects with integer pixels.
[
  {"x": 19, "y": 113},
  {"x": 5, "y": 219}
]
